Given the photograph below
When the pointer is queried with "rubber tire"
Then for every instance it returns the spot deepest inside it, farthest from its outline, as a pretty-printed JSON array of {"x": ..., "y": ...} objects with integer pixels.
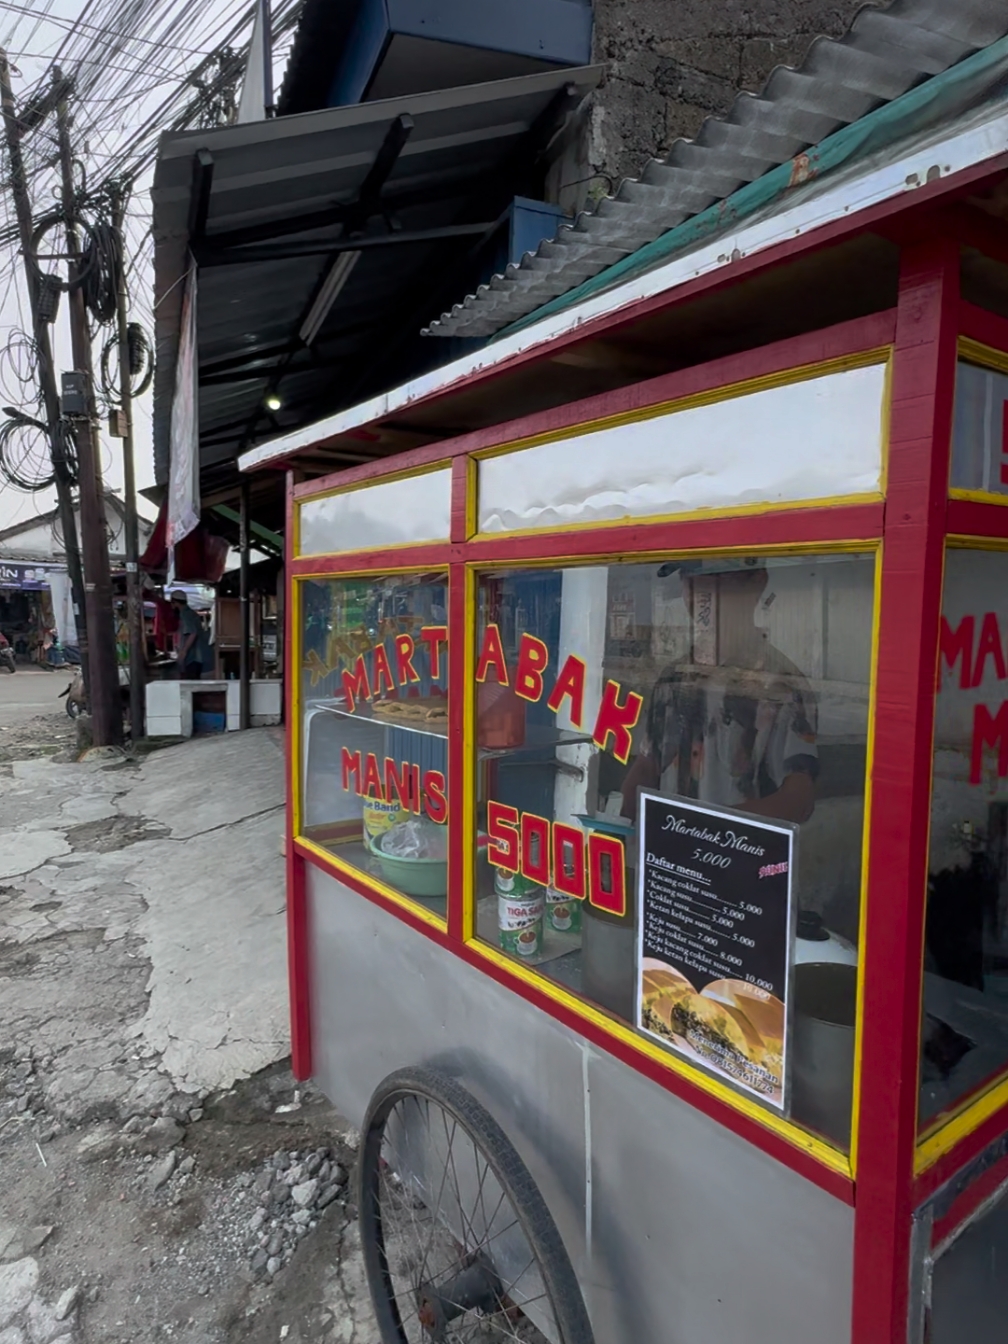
[
  {"x": 73, "y": 709},
  {"x": 528, "y": 1204}
]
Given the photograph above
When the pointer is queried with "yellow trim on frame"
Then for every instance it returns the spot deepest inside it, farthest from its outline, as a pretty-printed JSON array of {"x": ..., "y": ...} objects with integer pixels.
[
  {"x": 297, "y": 726},
  {"x": 472, "y": 498},
  {"x": 887, "y": 397},
  {"x": 469, "y": 764},
  {"x": 726, "y": 392},
  {"x": 386, "y": 571},
  {"x": 848, "y": 545},
  {"x": 980, "y": 496},
  {"x": 712, "y": 514},
  {"x": 295, "y": 548},
  {"x": 798, "y": 1138},
  {"x": 994, "y": 361},
  {"x": 865, "y": 857},
  {"x": 948, "y": 1130},
  {"x": 367, "y": 484},
  {"x": 986, "y": 356},
  {"x": 295, "y": 780},
  {"x": 964, "y": 541},
  {"x": 800, "y": 373},
  {"x": 390, "y": 893},
  {"x": 818, "y": 1148}
]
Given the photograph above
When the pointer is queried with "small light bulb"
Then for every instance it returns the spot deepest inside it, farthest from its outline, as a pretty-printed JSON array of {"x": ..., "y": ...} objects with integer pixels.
[{"x": 273, "y": 402}]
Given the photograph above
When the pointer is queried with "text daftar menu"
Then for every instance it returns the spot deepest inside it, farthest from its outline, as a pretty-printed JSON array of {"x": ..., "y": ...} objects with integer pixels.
[{"x": 714, "y": 938}]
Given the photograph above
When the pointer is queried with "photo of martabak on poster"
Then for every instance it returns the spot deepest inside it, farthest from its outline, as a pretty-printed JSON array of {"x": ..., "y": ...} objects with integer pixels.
[{"x": 714, "y": 939}]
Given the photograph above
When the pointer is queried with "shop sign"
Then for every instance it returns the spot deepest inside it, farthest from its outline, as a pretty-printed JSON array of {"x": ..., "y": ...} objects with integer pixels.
[
  {"x": 30, "y": 577},
  {"x": 376, "y": 673},
  {"x": 715, "y": 933}
]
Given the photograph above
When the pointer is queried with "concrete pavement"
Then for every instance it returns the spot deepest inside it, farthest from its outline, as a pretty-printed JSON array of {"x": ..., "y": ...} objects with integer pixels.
[
  {"x": 30, "y": 691},
  {"x": 152, "y": 895},
  {"x": 144, "y": 1100}
]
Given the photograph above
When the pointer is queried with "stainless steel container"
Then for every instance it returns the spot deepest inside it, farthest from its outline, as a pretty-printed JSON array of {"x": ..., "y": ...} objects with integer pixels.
[{"x": 822, "y": 1065}]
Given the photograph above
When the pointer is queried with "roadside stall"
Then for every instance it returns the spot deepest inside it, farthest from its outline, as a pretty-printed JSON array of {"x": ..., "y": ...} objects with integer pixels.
[
  {"x": 26, "y": 608},
  {"x": 648, "y": 813}
]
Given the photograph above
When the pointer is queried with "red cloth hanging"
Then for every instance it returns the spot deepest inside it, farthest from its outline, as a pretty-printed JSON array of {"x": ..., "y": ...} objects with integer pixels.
[{"x": 199, "y": 558}]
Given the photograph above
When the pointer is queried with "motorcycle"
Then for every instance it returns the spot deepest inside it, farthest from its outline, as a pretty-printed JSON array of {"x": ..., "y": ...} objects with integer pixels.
[
  {"x": 74, "y": 693},
  {"x": 6, "y": 654},
  {"x": 76, "y": 700}
]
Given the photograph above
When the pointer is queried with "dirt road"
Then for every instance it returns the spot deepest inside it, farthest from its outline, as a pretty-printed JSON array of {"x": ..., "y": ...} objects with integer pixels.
[{"x": 161, "y": 1175}]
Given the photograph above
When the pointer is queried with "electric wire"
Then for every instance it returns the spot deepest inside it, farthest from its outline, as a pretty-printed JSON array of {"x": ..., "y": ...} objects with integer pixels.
[{"x": 135, "y": 69}]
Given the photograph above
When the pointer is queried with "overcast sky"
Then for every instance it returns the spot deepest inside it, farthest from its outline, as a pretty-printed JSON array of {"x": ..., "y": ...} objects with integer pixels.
[{"x": 31, "y": 31}]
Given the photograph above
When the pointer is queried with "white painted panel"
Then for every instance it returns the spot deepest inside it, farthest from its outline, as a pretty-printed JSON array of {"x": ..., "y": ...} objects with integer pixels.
[
  {"x": 390, "y": 513},
  {"x": 809, "y": 440}
]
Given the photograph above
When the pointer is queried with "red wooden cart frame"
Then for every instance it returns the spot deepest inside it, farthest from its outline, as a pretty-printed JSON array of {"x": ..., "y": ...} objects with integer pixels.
[{"x": 886, "y": 1178}]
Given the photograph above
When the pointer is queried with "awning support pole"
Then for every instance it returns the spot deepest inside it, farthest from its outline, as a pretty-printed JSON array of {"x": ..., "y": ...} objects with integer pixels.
[
  {"x": 244, "y": 717},
  {"x": 134, "y": 593}
]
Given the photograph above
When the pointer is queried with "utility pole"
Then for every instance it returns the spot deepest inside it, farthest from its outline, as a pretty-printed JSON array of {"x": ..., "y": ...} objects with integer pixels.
[
  {"x": 245, "y": 653},
  {"x": 134, "y": 595},
  {"x": 47, "y": 372},
  {"x": 106, "y": 711}
]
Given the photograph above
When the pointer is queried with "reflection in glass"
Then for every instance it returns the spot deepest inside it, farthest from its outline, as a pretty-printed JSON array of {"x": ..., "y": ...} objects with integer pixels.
[
  {"x": 978, "y": 430},
  {"x": 374, "y": 688},
  {"x": 742, "y": 682},
  {"x": 388, "y": 513},
  {"x": 964, "y": 1044}
]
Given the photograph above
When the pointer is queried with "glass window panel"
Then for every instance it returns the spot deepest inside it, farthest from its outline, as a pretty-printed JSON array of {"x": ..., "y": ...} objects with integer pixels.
[
  {"x": 391, "y": 513},
  {"x": 980, "y": 435},
  {"x": 965, "y": 1027},
  {"x": 751, "y": 677},
  {"x": 742, "y": 450},
  {"x": 374, "y": 701},
  {"x": 969, "y": 1288}
]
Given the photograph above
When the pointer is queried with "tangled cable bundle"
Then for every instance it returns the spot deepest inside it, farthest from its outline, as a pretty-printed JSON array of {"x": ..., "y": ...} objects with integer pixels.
[
  {"x": 98, "y": 269},
  {"x": 19, "y": 368},
  {"x": 56, "y": 253},
  {"x": 101, "y": 267},
  {"x": 141, "y": 363},
  {"x": 26, "y": 459}
]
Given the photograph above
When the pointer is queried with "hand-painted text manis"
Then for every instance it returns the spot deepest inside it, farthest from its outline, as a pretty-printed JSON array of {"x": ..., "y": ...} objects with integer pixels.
[
  {"x": 977, "y": 644},
  {"x": 390, "y": 782}
]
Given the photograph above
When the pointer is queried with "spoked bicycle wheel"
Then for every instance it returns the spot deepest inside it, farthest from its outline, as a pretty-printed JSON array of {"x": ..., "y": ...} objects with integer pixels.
[{"x": 458, "y": 1243}]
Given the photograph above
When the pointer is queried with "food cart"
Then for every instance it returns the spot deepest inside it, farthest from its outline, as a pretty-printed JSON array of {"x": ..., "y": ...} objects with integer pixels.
[{"x": 648, "y": 820}]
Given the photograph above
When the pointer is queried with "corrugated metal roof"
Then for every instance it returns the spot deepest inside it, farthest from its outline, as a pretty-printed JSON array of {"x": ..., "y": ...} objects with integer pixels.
[
  {"x": 931, "y": 136},
  {"x": 279, "y": 174},
  {"x": 885, "y": 53}
]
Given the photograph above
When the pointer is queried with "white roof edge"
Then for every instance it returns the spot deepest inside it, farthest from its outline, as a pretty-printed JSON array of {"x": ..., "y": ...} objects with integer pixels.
[{"x": 964, "y": 144}]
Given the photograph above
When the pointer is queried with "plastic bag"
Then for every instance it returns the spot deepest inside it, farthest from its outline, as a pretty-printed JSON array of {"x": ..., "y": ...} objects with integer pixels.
[{"x": 415, "y": 839}]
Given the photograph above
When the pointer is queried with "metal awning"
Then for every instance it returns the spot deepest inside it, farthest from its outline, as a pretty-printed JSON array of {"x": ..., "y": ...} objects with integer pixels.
[
  {"x": 319, "y": 238},
  {"x": 946, "y": 129},
  {"x": 884, "y": 53}
]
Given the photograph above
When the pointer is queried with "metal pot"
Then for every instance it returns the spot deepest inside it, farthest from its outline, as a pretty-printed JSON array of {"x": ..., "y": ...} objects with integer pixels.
[
  {"x": 609, "y": 961},
  {"x": 822, "y": 1064}
]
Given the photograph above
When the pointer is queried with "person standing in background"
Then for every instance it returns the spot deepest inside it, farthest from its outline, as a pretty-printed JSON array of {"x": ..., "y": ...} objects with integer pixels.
[{"x": 193, "y": 653}]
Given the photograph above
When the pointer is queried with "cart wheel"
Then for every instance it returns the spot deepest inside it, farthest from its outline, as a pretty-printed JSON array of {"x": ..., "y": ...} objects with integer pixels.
[{"x": 458, "y": 1242}]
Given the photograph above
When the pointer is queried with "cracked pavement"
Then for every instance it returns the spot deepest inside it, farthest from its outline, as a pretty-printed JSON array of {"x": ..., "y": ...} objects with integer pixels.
[
  {"x": 153, "y": 895},
  {"x": 144, "y": 1079}
]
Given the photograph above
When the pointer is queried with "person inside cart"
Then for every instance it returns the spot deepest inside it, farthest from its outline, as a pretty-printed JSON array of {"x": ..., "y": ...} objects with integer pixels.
[{"x": 738, "y": 729}]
